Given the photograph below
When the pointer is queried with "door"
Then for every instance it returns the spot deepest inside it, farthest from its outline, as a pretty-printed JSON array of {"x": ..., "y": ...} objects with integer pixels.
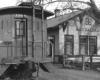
[{"x": 20, "y": 45}]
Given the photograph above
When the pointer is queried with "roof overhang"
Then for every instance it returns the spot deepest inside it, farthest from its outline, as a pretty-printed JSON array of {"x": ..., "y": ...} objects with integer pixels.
[{"x": 56, "y": 21}]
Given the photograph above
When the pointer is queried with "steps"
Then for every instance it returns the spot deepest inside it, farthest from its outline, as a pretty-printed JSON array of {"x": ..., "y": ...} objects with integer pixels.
[{"x": 47, "y": 67}]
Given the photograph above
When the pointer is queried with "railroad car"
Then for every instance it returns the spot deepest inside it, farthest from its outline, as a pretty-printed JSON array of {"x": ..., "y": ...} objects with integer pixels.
[{"x": 23, "y": 40}]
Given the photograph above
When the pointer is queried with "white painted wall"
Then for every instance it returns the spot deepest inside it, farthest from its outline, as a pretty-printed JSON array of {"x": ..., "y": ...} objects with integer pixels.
[{"x": 73, "y": 31}]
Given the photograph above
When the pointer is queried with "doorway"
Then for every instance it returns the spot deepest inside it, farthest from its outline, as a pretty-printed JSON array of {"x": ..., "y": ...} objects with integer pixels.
[{"x": 51, "y": 46}]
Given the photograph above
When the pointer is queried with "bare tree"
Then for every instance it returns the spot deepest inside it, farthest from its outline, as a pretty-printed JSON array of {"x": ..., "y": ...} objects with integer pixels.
[{"x": 94, "y": 11}]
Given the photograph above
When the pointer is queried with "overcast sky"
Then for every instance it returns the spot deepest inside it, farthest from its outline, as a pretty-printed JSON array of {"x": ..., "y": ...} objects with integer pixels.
[{"x": 4, "y": 3}]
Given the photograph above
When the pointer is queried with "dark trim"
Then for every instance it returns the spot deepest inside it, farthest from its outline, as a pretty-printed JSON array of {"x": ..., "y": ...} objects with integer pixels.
[
  {"x": 32, "y": 37},
  {"x": 26, "y": 37},
  {"x": 54, "y": 49}
]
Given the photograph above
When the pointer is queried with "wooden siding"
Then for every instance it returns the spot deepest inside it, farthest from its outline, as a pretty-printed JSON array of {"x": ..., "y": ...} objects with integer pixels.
[
  {"x": 7, "y": 34},
  {"x": 85, "y": 31}
]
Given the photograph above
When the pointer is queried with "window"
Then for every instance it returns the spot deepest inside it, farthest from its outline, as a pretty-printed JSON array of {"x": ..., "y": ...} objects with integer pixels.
[
  {"x": 92, "y": 45},
  {"x": 20, "y": 26},
  {"x": 83, "y": 45},
  {"x": 88, "y": 45},
  {"x": 88, "y": 21},
  {"x": 69, "y": 40}
]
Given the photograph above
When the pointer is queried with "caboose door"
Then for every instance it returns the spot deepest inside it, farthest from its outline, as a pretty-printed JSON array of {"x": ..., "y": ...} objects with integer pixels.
[{"x": 20, "y": 39}]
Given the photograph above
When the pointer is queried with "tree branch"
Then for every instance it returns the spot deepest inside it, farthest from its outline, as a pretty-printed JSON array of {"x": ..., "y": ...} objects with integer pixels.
[
  {"x": 49, "y": 2},
  {"x": 71, "y": 8},
  {"x": 91, "y": 15},
  {"x": 88, "y": 3},
  {"x": 93, "y": 5},
  {"x": 96, "y": 11}
]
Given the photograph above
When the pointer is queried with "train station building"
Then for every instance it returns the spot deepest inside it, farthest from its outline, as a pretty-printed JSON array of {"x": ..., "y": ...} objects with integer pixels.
[{"x": 75, "y": 33}]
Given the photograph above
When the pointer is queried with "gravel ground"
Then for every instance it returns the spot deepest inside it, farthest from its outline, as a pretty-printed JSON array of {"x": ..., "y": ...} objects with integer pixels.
[{"x": 68, "y": 74}]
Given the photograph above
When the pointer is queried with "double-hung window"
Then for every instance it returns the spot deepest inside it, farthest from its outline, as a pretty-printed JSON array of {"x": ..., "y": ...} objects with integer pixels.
[
  {"x": 83, "y": 45},
  {"x": 88, "y": 45},
  {"x": 69, "y": 44}
]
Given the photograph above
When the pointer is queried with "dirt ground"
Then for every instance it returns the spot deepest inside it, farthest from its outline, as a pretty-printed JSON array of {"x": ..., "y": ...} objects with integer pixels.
[{"x": 69, "y": 74}]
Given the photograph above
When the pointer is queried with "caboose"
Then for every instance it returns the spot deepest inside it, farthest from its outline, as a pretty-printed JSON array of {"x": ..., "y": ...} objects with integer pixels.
[{"x": 23, "y": 40}]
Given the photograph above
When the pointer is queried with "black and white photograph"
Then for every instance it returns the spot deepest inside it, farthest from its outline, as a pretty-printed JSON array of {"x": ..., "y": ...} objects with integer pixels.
[{"x": 50, "y": 40}]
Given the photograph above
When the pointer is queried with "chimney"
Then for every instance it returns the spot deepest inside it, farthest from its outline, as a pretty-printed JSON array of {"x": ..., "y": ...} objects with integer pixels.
[{"x": 57, "y": 12}]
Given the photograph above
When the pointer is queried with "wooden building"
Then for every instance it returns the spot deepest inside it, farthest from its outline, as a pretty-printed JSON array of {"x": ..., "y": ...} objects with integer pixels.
[
  {"x": 74, "y": 34},
  {"x": 23, "y": 33}
]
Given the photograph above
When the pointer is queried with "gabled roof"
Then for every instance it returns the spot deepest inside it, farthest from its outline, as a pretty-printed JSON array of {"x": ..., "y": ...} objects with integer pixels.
[
  {"x": 60, "y": 19},
  {"x": 53, "y": 22}
]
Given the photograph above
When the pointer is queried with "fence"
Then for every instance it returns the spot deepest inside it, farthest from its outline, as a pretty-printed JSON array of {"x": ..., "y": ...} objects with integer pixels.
[{"x": 81, "y": 61}]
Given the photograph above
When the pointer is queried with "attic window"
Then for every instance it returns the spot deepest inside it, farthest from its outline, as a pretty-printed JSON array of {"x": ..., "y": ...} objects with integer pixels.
[{"x": 88, "y": 21}]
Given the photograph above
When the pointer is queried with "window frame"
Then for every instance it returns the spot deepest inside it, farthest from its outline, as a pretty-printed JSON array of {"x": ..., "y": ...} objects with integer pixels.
[
  {"x": 95, "y": 44},
  {"x": 80, "y": 43},
  {"x": 72, "y": 44},
  {"x": 88, "y": 20},
  {"x": 88, "y": 44},
  {"x": 23, "y": 29}
]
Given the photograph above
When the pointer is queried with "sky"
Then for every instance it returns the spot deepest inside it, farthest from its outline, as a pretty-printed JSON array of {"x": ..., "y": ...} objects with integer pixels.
[{"x": 5, "y": 3}]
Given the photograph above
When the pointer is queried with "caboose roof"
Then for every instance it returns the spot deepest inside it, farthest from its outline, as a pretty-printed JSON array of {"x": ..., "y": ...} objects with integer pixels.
[{"x": 24, "y": 10}]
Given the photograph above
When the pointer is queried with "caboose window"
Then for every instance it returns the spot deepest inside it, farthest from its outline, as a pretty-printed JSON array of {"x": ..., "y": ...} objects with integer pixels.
[{"x": 19, "y": 28}]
